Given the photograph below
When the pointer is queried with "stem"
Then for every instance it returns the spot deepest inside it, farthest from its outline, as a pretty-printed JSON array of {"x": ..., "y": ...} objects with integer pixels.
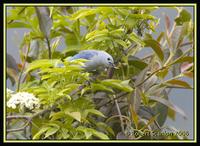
[
  {"x": 164, "y": 67},
  {"x": 49, "y": 47},
  {"x": 28, "y": 119},
  {"x": 187, "y": 43},
  {"x": 150, "y": 76},
  {"x": 116, "y": 116},
  {"x": 148, "y": 56},
  {"x": 23, "y": 67},
  {"x": 17, "y": 14},
  {"x": 120, "y": 116},
  {"x": 117, "y": 97},
  {"x": 170, "y": 34}
]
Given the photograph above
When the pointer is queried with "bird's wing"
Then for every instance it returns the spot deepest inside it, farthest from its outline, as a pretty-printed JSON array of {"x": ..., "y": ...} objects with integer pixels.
[{"x": 86, "y": 54}]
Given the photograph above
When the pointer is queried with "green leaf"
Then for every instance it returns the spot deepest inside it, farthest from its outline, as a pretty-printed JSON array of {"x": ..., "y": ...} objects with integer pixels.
[
  {"x": 100, "y": 87},
  {"x": 118, "y": 84},
  {"x": 179, "y": 83},
  {"x": 94, "y": 111},
  {"x": 83, "y": 13},
  {"x": 144, "y": 98},
  {"x": 96, "y": 34},
  {"x": 183, "y": 59},
  {"x": 135, "y": 65},
  {"x": 88, "y": 134},
  {"x": 162, "y": 34},
  {"x": 135, "y": 100},
  {"x": 57, "y": 115},
  {"x": 55, "y": 124},
  {"x": 65, "y": 134},
  {"x": 188, "y": 74},
  {"x": 89, "y": 131},
  {"x": 55, "y": 44},
  {"x": 51, "y": 131},
  {"x": 142, "y": 16},
  {"x": 85, "y": 90},
  {"x": 106, "y": 127},
  {"x": 184, "y": 16},
  {"x": 40, "y": 132},
  {"x": 63, "y": 92},
  {"x": 161, "y": 109},
  {"x": 43, "y": 63},
  {"x": 18, "y": 25},
  {"x": 75, "y": 115},
  {"x": 117, "y": 33},
  {"x": 134, "y": 116},
  {"x": 171, "y": 114},
  {"x": 72, "y": 41},
  {"x": 163, "y": 73},
  {"x": 152, "y": 120},
  {"x": 156, "y": 47},
  {"x": 122, "y": 43},
  {"x": 136, "y": 39},
  {"x": 99, "y": 134},
  {"x": 124, "y": 12}
]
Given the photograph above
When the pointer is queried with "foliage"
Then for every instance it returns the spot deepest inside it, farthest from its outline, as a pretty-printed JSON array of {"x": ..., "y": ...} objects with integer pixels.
[{"x": 77, "y": 106}]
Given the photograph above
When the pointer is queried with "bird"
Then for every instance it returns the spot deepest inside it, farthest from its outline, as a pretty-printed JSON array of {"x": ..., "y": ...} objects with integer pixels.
[{"x": 98, "y": 60}]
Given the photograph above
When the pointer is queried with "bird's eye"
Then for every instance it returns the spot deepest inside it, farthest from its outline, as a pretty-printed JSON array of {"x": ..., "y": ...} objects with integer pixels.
[{"x": 108, "y": 58}]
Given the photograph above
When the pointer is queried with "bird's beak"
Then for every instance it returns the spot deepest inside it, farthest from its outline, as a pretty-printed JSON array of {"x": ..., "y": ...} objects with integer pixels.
[{"x": 112, "y": 65}]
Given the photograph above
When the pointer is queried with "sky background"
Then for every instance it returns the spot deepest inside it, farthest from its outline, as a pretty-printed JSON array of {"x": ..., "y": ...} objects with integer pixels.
[{"x": 183, "y": 98}]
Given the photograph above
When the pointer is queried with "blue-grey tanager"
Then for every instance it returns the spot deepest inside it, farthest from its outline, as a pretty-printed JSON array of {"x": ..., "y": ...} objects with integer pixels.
[{"x": 97, "y": 60}]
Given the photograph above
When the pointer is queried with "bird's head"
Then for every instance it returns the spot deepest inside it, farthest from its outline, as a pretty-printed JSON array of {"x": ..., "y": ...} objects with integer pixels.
[{"x": 107, "y": 59}]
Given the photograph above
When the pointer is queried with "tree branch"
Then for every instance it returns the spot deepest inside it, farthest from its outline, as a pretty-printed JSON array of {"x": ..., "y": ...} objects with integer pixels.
[
  {"x": 156, "y": 71},
  {"x": 17, "y": 14},
  {"x": 187, "y": 43},
  {"x": 120, "y": 116},
  {"x": 117, "y": 97},
  {"x": 27, "y": 118}
]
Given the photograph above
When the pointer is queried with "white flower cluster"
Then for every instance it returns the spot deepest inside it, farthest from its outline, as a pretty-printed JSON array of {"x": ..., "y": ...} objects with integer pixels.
[
  {"x": 9, "y": 93},
  {"x": 23, "y": 99}
]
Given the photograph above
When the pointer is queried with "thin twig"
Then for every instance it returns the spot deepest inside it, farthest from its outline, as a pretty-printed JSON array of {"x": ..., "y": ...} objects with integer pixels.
[
  {"x": 17, "y": 14},
  {"x": 49, "y": 47},
  {"x": 186, "y": 44},
  {"x": 27, "y": 118},
  {"x": 120, "y": 116},
  {"x": 146, "y": 57},
  {"x": 116, "y": 116},
  {"x": 20, "y": 129},
  {"x": 17, "y": 117},
  {"x": 156, "y": 71},
  {"x": 23, "y": 67},
  {"x": 117, "y": 97}
]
